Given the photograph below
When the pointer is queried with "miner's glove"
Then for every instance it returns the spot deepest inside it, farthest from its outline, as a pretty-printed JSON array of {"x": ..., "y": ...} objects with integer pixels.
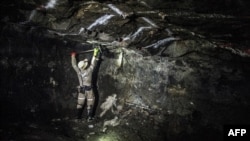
[
  {"x": 73, "y": 53},
  {"x": 96, "y": 51}
]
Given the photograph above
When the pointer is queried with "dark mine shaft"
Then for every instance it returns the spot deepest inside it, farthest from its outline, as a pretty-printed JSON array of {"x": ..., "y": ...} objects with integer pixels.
[{"x": 165, "y": 70}]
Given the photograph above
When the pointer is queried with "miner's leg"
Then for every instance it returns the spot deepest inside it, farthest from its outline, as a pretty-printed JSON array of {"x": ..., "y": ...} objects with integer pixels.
[
  {"x": 90, "y": 104},
  {"x": 80, "y": 104}
]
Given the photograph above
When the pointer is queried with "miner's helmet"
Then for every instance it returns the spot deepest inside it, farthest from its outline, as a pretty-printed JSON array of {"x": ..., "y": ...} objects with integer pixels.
[{"x": 83, "y": 64}]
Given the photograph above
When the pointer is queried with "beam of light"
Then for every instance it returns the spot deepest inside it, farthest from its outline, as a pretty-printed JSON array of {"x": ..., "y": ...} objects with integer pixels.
[
  {"x": 149, "y": 22},
  {"x": 138, "y": 32},
  {"x": 144, "y": 3},
  {"x": 50, "y": 4},
  {"x": 118, "y": 11},
  {"x": 131, "y": 38},
  {"x": 102, "y": 20},
  {"x": 82, "y": 29},
  {"x": 146, "y": 12},
  {"x": 162, "y": 42}
]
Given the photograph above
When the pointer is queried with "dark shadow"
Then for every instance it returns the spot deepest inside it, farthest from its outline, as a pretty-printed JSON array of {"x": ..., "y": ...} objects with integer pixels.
[{"x": 94, "y": 85}]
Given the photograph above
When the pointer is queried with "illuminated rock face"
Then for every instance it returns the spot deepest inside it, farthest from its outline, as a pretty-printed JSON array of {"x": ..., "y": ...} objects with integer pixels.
[{"x": 182, "y": 74}]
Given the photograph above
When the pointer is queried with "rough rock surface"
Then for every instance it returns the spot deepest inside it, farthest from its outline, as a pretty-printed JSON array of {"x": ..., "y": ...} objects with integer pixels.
[{"x": 178, "y": 74}]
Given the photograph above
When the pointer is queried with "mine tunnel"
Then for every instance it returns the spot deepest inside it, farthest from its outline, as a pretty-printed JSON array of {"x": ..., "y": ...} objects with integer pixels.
[{"x": 166, "y": 70}]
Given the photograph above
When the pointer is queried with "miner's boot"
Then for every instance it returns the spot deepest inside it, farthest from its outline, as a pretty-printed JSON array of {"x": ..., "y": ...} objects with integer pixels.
[{"x": 89, "y": 114}]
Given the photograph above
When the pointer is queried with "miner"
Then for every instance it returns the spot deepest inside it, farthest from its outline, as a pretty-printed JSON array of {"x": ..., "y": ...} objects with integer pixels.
[{"x": 84, "y": 70}]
